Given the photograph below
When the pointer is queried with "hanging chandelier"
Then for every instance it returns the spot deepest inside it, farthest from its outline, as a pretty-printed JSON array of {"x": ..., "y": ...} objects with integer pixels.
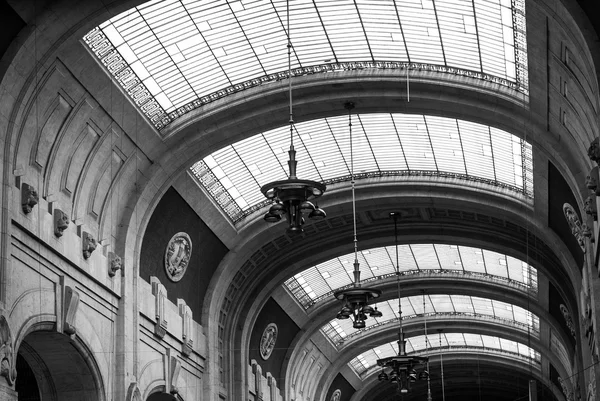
[
  {"x": 292, "y": 197},
  {"x": 356, "y": 298},
  {"x": 402, "y": 368}
]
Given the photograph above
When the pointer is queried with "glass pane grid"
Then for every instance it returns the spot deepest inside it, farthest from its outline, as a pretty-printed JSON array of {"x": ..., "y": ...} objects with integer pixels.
[
  {"x": 436, "y": 305},
  {"x": 383, "y": 144},
  {"x": 426, "y": 259},
  {"x": 199, "y": 51},
  {"x": 447, "y": 342}
]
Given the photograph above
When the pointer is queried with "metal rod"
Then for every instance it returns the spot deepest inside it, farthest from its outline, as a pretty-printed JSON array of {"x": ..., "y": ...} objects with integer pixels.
[
  {"x": 350, "y": 106},
  {"x": 289, "y": 47},
  {"x": 426, "y": 350},
  {"x": 442, "y": 367}
]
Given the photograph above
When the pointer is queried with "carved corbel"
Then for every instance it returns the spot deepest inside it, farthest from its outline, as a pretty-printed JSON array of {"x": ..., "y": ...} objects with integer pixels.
[
  {"x": 575, "y": 224},
  {"x": 29, "y": 198},
  {"x": 587, "y": 232},
  {"x": 594, "y": 150},
  {"x": 591, "y": 181},
  {"x": 7, "y": 354},
  {"x": 160, "y": 295},
  {"x": 590, "y": 207},
  {"x": 257, "y": 370},
  {"x": 88, "y": 244},
  {"x": 187, "y": 321},
  {"x": 568, "y": 320},
  {"x": 172, "y": 369},
  {"x": 61, "y": 222},
  {"x": 71, "y": 302},
  {"x": 114, "y": 263},
  {"x": 273, "y": 389}
]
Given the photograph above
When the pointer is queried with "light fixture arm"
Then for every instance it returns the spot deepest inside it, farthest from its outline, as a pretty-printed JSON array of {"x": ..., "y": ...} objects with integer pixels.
[{"x": 292, "y": 197}]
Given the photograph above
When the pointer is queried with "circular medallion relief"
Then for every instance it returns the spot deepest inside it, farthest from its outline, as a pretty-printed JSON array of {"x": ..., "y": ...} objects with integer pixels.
[
  {"x": 177, "y": 256},
  {"x": 267, "y": 341},
  {"x": 337, "y": 395}
]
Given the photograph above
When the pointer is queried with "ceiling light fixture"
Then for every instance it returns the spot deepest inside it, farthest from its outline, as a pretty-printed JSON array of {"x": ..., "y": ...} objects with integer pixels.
[
  {"x": 356, "y": 298},
  {"x": 292, "y": 197},
  {"x": 402, "y": 367}
]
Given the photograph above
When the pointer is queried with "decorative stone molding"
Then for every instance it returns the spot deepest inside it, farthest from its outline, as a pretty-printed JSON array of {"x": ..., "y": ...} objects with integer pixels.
[
  {"x": 257, "y": 371},
  {"x": 565, "y": 389},
  {"x": 177, "y": 256},
  {"x": 115, "y": 263},
  {"x": 7, "y": 354},
  {"x": 29, "y": 198},
  {"x": 568, "y": 319},
  {"x": 160, "y": 295},
  {"x": 187, "y": 321},
  {"x": 71, "y": 302},
  {"x": 267, "y": 340},
  {"x": 273, "y": 389},
  {"x": 89, "y": 244},
  {"x": 591, "y": 181},
  {"x": 61, "y": 222},
  {"x": 337, "y": 395},
  {"x": 590, "y": 206},
  {"x": 575, "y": 224},
  {"x": 133, "y": 393},
  {"x": 172, "y": 367},
  {"x": 594, "y": 150},
  {"x": 591, "y": 389}
]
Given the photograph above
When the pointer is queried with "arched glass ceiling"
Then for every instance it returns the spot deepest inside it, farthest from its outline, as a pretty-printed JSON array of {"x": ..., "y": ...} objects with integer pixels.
[
  {"x": 486, "y": 309},
  {"x": 384, "y": 144},
  {"x": 318, "y": 282},
  {"x": 176, "y": 55},
  {"x": 481, "y": 344}
]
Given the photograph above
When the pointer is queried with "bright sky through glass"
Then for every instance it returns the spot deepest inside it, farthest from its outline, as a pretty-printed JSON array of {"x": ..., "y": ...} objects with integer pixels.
[
  {"x": 436, "y": 304},
  {"x": 318, "y": 281},
  {"x": 384, "y": 144},
  {"x": 173, "y": 56},
  {"x": 476, "y": 342}
]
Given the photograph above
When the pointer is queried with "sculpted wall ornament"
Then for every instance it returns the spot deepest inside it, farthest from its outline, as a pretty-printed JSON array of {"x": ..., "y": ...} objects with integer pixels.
[
  {"x": 89, "y": 244},
  {"x": 7, "y": 354},
  {"x": 61, "y": 222},
  {"x": 575, "y": 224},
  {"x": 590, "y": 206},
  {"x": 594, "y": 150},
  {"x": 267, "y": 340},
  {"x": 186, "y": 331},
  {"x": 565, "y": 389},
  {"x": 337, "y": 395},
  {"x": 114, "y": 263},
  {"x": 177, "y": 256},
  {"x": 160, "y": 295},
  {"x": 71, "y": 302},
  {"x": 591, "y": 390},
  {"x": 29, "y": 198},
  {"x": 591, "y": 181},
  {"x": 568, "y": 320}
]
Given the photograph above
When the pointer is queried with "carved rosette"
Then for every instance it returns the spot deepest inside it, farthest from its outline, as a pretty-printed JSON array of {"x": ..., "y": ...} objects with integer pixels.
[
  {"x": 7, "y": 354},
  {"x": 575, "y": 224},
  {"x": 177, "y": 256},
  {"x": 29, "y": 198},
  {"x": 267, "y": 341},
  {"x": 88, "y": 244},
  {"x": 337, "y": 395},
  {"x": 61, "y": 222}
]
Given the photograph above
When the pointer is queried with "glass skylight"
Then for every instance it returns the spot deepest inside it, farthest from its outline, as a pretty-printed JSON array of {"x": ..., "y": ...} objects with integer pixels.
[
  {"x": 459, "y": 342},
  {"x": 384, "y": 144},
  {"x": 173, "y": 56},
  {"x": 466, "y": 306},
  {"x": 319, "y": 282}
]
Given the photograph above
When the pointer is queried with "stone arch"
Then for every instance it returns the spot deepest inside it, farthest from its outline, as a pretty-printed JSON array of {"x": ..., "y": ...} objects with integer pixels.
[{"x": 64, "y": 367}]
